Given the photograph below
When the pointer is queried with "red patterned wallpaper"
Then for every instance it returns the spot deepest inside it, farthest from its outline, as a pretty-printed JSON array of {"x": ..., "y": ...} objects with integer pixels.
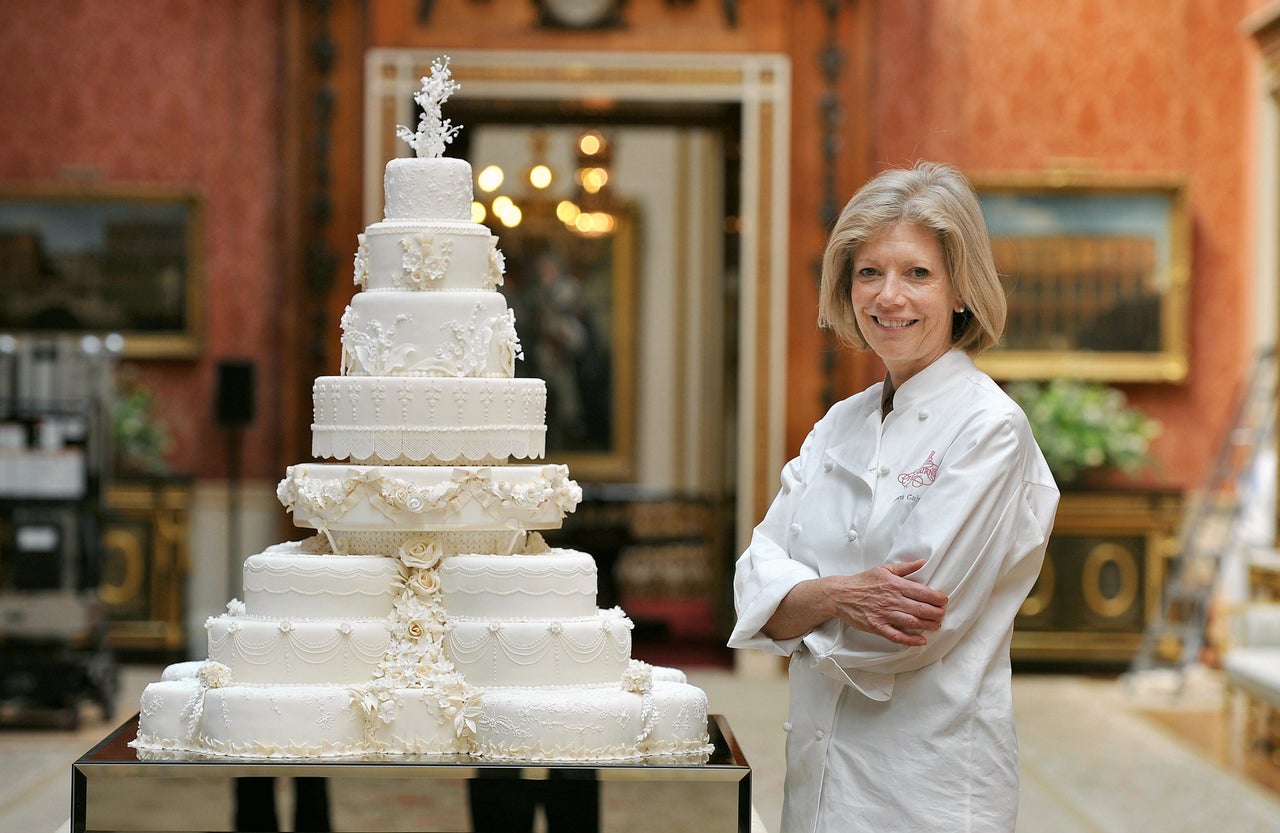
[
  {"x": 1148, "y": 86},
  {"x": 180, "y": 92},
  {"x": 189, "y": 93}
]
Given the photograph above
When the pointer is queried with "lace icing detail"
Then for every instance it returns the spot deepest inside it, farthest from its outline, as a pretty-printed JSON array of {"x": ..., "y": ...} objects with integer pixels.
[
  {"x": 497, "y": 264},
  {"x": 536, "y": 651},
  {"x": 331, "y": 498},
  {"x": 368, "y": 349},
  {"x": 361, "y": 276},
  {"x": 466, "y": 350},
  {"x": 324, "y": 642},
  {"x": 430, "y": 445},
  {"x": 522, "y": 734},
  {"x": 151, "y": 703},
  {"x": 424, "y": 262},
  {"x": 497, "y": 542},
  {"x": 209, "y": 675}
]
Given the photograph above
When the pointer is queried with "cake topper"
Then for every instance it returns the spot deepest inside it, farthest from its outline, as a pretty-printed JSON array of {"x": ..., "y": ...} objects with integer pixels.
[{"x": 434, "y": 131}]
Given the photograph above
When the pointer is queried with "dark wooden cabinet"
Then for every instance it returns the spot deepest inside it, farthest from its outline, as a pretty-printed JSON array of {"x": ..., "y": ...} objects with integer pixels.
[
  {"x": 144, "y": 570},
  {"x": 1102, "y": 579}
]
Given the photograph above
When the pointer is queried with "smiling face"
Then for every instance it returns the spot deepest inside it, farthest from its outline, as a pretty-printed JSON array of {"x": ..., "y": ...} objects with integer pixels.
[{"x": 903, "y": 299}]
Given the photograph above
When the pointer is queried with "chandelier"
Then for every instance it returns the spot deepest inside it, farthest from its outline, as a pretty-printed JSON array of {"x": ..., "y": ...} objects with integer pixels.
[{"x": 589, "y": 209}]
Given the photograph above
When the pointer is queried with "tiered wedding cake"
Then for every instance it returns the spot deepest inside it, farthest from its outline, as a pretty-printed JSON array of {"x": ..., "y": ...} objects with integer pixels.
[{"x": 427, "y": 615}]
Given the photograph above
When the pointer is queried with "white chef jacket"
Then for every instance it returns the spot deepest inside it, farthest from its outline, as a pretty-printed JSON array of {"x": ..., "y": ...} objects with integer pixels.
[{"x": 884, "y": 737}]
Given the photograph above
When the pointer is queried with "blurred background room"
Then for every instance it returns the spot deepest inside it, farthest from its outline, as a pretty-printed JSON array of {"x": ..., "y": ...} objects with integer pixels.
[{"x": 182, "y": 184}]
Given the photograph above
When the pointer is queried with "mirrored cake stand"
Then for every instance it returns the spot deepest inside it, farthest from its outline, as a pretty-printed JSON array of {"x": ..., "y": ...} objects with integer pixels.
[{"x": 114, "y": 789}]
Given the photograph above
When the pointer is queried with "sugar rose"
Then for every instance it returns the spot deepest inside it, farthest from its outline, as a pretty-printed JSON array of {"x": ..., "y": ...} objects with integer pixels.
[
  {"x": 420, "y": 554},
  {"x": 424, "y": 582},
  {"x": 214, "y": 675}
]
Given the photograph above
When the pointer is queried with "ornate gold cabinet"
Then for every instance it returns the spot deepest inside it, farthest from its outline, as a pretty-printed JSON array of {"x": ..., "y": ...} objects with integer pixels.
[
  {"x": 1102, "y": 578},
  {"x": 144, "y": 543}
]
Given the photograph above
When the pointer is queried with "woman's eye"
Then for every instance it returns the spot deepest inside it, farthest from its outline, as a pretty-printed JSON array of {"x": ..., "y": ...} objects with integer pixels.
[
  {"x": 918, "y": 272},
  {"x": 866, "y": 272}
]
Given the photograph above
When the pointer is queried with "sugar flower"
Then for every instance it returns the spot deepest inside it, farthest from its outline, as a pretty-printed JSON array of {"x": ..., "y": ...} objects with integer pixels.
[{"x": 434, "y": 131}]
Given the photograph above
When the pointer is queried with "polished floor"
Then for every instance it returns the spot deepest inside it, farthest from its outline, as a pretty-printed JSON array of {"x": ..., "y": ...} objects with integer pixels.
[{"x": 1099, "y": 755}]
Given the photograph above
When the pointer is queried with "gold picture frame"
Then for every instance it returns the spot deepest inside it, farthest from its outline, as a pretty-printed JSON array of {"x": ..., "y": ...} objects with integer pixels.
[
  {"x": 104, "y": 259},
  {"x": 1096, "y": 270}
]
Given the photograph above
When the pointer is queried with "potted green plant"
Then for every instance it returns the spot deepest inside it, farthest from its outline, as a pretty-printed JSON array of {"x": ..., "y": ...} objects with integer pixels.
[
  {"x": 141, "y": 440},
  {"x": 1085, "y": 426}
]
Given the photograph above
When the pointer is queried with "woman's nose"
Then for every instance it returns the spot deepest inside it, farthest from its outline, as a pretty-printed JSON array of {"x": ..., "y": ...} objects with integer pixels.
[{"x": 890, "y": 291}]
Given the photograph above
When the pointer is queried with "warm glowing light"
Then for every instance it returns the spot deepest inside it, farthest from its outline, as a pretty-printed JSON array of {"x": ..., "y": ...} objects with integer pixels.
[
  {"x": 511, "y": 216},
  {"x": 593, "y": 179},
  {"x": 490, "y": 179},
  {"x": 593, "y": 223},
  {"x": 501, "y": 204},
  {"x": 590, "y": 143},
  {"x": 477, "y": 212},
  {"x": 539, "y": 176},
  {"x": 567, "y": 212}
]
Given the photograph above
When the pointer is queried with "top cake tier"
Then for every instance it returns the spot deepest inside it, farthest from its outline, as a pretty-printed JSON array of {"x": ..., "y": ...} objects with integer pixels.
[
  {"x": 428, "y": 189},
  {"x": 427, "y": 241}
]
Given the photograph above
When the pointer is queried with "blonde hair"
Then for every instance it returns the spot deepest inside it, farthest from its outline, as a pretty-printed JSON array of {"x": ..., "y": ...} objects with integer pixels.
[{"x": 937, "y": 197}]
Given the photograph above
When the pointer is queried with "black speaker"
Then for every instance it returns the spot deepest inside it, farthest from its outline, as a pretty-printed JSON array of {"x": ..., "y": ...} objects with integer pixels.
[{"x": 233, "y": 404}]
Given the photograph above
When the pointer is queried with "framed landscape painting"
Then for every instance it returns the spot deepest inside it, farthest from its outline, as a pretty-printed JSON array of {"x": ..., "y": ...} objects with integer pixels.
[
  {"x": 1096, "y": 275},
  {"x": 100, "y": 259}
]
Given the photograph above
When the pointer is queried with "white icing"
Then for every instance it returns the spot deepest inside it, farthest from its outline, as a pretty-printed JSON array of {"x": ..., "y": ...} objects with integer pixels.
[
  {"x": 424, "y": 617},
  {"x": 286, "y": 651},
  {"x": 427, "y": 189},
  {"x": 413, "y": 334},
  {"x": 288, "y": 586},
  {"x": 680, "y": 720},
  {"x": 562, "y": 652},
  {"x": 298, "y": 721},
  {"x": 181, "y": 670},
  {"x": 559, "y": 583},
  {"x": 428, "y": 420},
  {"x": 590, "y": 724},
  {"x": 464, "y": 256}
]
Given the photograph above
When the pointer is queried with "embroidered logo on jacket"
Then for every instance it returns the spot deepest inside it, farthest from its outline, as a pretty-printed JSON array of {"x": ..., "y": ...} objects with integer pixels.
[{"x": 922, "y": 476}]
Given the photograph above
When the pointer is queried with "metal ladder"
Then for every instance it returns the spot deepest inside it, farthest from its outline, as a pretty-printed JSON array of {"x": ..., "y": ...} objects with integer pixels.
[{"x": 1173, "y": 641}]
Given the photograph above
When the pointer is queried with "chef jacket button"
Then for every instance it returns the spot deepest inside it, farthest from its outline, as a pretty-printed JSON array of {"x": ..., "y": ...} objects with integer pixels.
[
  {"x": 853, "y": 535},
  {"x": 923, "y": 415},
  {"x": 828, "y": 465},
  {"x": 786, "y": 727},
  {"x": 884, "y": 469},
  {"x": 820, "y": 734},
  {"x": 795, "y": 529}
]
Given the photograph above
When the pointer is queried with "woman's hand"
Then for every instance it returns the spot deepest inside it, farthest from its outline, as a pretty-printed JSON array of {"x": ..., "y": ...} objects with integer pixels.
[
  {"x": 884, "y": 602},
  {"x": 880, "y": 601}
]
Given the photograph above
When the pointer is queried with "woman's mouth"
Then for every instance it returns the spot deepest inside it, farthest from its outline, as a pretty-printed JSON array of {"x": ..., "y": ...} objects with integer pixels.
[{"x": 894, "y": 323}]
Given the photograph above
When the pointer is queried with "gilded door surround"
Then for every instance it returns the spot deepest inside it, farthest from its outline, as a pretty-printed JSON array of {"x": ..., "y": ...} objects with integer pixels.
[{"x": 759, "y": 83}]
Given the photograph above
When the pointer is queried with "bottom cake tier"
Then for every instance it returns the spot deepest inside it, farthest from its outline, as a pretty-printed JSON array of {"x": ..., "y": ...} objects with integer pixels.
[
  {"x": 600, "y": 724},
  {"x": 652, "y": 713},
  {"x": 303, "y": 721}
]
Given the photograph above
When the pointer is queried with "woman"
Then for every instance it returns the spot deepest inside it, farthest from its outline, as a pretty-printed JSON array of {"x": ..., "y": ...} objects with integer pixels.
[{"x": 906, "y": 536}]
